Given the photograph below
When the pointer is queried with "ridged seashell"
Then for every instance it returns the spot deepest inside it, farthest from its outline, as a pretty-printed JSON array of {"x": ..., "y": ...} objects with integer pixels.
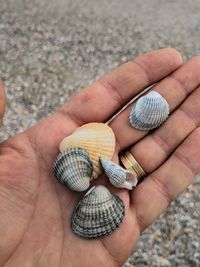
[
  {"x": 97, "y": 139},
  {"x": 98, "y": 213},
  {"x": 118, "y": 176},
  {"x": 149, "y": 112},
  {"x": 73, "y": 168}
]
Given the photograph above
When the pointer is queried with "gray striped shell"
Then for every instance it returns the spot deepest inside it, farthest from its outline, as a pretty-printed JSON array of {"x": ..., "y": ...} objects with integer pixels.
[
  {"x": 97, "y": 214},
  {"x": 118, "y": 176},
  {"x": 149, "y": 112},
  {"x": 73, "y": 168}
]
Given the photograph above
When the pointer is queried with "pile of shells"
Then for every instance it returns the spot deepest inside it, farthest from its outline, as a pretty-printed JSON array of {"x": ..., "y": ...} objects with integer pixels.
[
  {"x": 83, "y": 157},
  {"x": 86, "y": 153}
]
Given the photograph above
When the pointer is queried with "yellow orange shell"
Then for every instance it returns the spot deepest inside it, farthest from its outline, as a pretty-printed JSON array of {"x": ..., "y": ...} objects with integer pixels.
[{"x": 97, "y": 139}]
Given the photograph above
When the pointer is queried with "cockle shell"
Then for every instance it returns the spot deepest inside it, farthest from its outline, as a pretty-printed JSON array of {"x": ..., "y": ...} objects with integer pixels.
[
  {"x": 97, "y": 139},
  {"x": 97, "y": 214},
  {"x": 118, "y": 176},
  {"x": 73, "y": 168},
  {"x": 149, "y": 112}
]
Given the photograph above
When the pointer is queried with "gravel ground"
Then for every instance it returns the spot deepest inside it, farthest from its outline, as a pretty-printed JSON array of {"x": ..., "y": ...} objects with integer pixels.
[{"x": 50, "y": 49}]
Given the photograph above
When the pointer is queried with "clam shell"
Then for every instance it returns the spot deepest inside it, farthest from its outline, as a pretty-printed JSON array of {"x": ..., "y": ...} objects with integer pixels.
[
  {"x": 73, "y": 168},
  {"x": 149, "y": 112},
  {"x": 97, "y": 139},
  {"x": 118, "y": 176},
  {"x": 97, "y": 214}
]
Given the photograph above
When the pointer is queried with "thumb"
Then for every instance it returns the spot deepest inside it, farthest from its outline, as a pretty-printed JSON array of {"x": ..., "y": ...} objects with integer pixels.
[{"x": 2, "y": 102}]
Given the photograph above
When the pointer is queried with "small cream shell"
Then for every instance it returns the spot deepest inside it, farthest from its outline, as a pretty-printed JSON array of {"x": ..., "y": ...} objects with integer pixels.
[{"x": 118, "y": 176}]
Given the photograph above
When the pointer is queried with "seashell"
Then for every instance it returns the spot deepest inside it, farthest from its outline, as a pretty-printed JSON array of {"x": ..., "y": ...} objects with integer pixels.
[
  {"x": 118, "y": 176},
  {"x": 97, "y": 214},
  {"x": 149, "y": 112},
  {"x": 73, "y": 168},
  {"x": 97, "y": 139}
]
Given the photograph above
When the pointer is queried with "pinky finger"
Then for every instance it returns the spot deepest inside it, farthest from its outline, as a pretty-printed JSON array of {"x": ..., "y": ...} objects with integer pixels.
[
  {"x": 165, "y": 184},
  {"x": 2, "y": 102}
]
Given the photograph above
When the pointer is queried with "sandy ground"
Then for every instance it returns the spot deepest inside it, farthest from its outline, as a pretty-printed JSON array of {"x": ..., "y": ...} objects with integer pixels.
[{"x": 50, "y": 49}]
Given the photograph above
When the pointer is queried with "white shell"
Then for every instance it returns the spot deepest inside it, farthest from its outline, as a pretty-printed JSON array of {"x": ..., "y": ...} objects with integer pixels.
[
  {"x": 149, "y": 112},
  {"x": 97, "y": 214},
  {"x": 118, "y": 176}
]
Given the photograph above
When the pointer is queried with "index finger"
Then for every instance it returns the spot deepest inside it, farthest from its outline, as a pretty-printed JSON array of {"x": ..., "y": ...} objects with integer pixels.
[{"x": 103, "y": 98}]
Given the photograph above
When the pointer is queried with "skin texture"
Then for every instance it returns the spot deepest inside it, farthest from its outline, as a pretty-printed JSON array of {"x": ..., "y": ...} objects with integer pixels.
[{"x": 36, "y": 210}]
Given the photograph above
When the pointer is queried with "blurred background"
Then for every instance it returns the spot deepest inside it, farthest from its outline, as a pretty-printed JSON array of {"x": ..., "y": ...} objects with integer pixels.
[{"x": 51, "y": 49}]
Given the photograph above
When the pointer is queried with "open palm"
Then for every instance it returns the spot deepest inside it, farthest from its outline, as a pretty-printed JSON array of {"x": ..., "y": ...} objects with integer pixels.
[{"x": 36, "y": 210}]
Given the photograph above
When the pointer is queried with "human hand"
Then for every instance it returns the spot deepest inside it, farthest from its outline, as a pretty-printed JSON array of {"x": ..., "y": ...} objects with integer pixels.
[{"x": 36, "y": 210}]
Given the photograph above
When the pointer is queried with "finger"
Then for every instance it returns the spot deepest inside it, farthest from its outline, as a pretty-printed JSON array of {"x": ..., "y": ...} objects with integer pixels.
[
  {"x": 164, "y": 185},
  {"x": 103, "y": 98},
  {"x": 156, "y": 147},
  {"x": 174, "y": 89},
  {"x": 2, "y": 102}
]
